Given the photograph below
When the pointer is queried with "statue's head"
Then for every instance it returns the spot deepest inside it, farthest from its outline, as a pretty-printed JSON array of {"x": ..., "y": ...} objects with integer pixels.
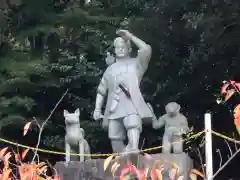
[
  {"x": 172, "y": 109},
  {"x": 122, "y": 47},
  {"x": 71, "y": 118}
]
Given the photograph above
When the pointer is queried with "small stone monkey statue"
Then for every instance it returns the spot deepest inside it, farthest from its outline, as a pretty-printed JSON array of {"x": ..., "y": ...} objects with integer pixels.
[
  {"x": 175, "y": 125},
  {"x": 74, "y": 138}
]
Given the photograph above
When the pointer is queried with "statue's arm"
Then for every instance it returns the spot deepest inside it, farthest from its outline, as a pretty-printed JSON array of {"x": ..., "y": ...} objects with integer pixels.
[
  {"x": 101, "y": 93},
  {"x": 184, "y": 123},
  {"x": 144, "y": 52},
  {"x": 158, "y": 123}
]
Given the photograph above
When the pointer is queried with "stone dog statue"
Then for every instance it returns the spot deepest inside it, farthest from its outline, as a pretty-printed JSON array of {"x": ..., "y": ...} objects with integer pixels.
[
  {"x": 74, "y": 138},
  {"x": 175, "y": 125}
]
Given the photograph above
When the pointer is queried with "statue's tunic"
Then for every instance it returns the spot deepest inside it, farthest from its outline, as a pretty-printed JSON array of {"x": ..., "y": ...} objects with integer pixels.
[{"x": 127, "y": 74}]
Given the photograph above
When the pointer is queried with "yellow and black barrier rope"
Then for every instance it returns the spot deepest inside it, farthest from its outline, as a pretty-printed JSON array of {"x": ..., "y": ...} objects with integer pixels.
[
  {"x": 225, "y": 137},
  {"x": 92, "y": 155},
  {"x": 109, "y": 154}
]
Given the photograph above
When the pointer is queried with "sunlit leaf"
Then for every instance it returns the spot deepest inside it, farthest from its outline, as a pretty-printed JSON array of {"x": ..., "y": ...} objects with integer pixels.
[
  {"x": 43, "y": 169},
  {"x": 159, "y": 173},
  {"x": 6, "y": 159},
  {"x": 2, "y": 152},
  {"x": 17, "y": 157},
  {"x": 41, "y": 164},
  {"x": 24, "y": 153},
  {"x": 114, "y": 168},
  {"x": 193, "y": 176},
  {"x": 107, "y": 162},
  {"x": 124, "y": 173},
  {"x": 180, "y": 178},
  {"x": 172, "y": 173},
  {"x": 6, "y": 173},
  {"x": 26, "y": 128},
  {"x": 197, "y": 172}
]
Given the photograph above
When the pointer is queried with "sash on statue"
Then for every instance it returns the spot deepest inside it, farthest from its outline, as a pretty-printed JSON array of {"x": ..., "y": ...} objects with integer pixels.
[{"x": 137, "y": 99}]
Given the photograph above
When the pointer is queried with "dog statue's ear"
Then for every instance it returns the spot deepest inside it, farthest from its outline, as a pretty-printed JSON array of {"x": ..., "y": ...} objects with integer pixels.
[
  {"x": 77, "y": 112},
  {"x": 65, "y": 113}
]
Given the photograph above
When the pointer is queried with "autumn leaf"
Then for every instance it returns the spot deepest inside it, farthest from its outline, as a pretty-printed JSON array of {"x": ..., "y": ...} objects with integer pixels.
[
  {"x": 41, "y": 164},
  {"x": 107, "y": 162},
  {"x": 147, "y": 156},
  {"x": 17, "y": 157},
  {"x": 172, "y": 173},
  {"x": 43, "y": 169},
  {"x": 124, "y": 173},
  {"x": 24, "y": 153},
  {"x": 2, "y": 152},
  {"x": 56, "y": 178},
  {"x": 6, "y": 159},
  {"x": 180, "y": 178},
  {"x": 155, "y": 164},
  {"x": 236, "y": 115},
  {"x": 26, "y": 128},
  {"x": 114, "y": 168},
  {"x": 159, "y": 174},
  {"x": 6, "y": 173},
  {"x": 41, "y": 178},
  {"x": 193, "y": 176},
  {"x": 195, "y": 171}
]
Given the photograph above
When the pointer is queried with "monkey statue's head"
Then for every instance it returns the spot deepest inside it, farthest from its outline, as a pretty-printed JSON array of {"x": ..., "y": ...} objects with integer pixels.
[{"x": 172, "y": 109}]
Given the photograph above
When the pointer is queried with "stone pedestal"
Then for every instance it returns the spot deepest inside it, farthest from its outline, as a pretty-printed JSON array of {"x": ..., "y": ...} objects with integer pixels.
[{"x": 93, "y": 169}]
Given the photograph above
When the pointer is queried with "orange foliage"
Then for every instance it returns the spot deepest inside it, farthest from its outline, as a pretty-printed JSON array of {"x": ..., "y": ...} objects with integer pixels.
[
  {"x": 236, "y": 114},
  {"x": 31, "y": 171}
]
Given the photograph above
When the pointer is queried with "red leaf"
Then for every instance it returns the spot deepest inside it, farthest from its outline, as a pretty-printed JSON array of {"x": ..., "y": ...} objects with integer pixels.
[
  {"x": 2, "y": 152},
  {"x": 123, "y": 173},
  {"x": 24, "y": 153},
  {"x": 26, "y": 128},
  {"x": 153, "y": 175},
  {"x": 56, "y": 177},
  {"x": 17, "y": 157}
]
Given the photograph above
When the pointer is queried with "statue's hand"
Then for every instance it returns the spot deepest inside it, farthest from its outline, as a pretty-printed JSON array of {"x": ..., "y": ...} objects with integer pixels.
[
  {"x": 97, "y": 115},
  {"x": 123, "y": 33},
  {"x": 109, "y": 59}
]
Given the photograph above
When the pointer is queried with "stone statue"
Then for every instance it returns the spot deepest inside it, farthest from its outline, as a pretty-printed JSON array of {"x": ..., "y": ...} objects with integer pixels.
[
  {"x": 125, "y": 109},
  {"x": 74, "y": 138},
  {"x": 175, "y": 125}
]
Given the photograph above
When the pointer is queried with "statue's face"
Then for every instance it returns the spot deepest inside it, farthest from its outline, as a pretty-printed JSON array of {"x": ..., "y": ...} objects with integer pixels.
[
  {"x": 121, "y": 49},
  {"x": 172, "y": 109}
]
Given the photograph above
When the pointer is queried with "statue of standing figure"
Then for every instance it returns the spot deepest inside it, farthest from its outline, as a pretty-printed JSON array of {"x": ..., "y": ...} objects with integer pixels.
[
  {"x": 125, "y": 109},
  {"x": 175, "y": 125}
]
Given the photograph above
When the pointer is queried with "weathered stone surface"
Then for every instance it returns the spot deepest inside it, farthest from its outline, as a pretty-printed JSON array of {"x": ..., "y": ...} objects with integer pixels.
[{"x": 93, "y": 169}]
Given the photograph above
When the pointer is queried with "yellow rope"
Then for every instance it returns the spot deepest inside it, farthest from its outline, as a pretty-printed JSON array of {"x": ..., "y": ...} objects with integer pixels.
[
  {"x": 225, "y": 137},
  {"x": 93, "y": 155}
]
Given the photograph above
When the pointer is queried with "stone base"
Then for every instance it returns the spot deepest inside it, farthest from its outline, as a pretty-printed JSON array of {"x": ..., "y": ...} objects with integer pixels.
[{"x": 93, "y": 169}]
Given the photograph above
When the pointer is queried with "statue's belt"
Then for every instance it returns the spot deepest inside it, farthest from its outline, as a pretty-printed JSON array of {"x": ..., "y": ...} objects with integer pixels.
[{"x": 124, "y": 90}]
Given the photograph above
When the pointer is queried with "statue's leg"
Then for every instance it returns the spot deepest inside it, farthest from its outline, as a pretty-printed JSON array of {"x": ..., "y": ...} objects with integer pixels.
[
  {"x": 81, "y": 150},
  {"x": 133, "y": 124},
  {"x": 177, "y": 144},
  {"x": 116, "y": 133},
  {"x": 87, "y": 149},
  {"x": 166, "y": 144},
  {"x": 67, "y": 150}
]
